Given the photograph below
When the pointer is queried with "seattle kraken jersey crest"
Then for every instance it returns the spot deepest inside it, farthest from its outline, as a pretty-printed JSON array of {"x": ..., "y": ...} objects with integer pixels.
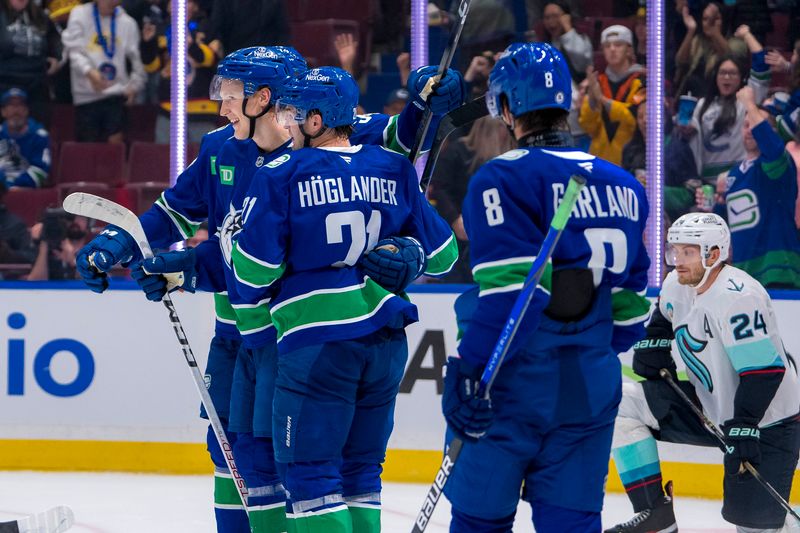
[{"x": 689, "y": 347}]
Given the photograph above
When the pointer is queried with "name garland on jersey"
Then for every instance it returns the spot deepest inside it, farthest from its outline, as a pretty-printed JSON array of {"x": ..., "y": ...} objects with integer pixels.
[
  {"x": 317, "y": 191},
  {"x": 688, "y": 348},
  {"x": 618, "y": 202}
]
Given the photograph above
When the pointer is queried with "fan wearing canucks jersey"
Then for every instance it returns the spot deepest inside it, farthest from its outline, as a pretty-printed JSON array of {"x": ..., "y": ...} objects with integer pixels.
[
  {"x": 549, "y": 422},
  {"x": 721, "y": 323},
  {"x": 308, "y": 219},
  {"x": 760, "y": 200}
]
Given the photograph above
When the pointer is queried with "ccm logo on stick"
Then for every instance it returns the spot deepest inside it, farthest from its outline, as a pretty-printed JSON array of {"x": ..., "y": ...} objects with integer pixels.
[{"x": 42, "y": 364}]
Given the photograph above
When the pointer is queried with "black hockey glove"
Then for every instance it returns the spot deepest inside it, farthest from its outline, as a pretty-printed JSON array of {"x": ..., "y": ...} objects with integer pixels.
[
  {"x": 653, "y": 353},
  {"x": 467, "y": 414},
  {"x": 741, "y": 441}
]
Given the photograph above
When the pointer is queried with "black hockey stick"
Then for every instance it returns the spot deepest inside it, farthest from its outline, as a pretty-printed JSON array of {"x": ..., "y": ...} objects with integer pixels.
[
  {"x": 455, "y": 119},
  {"x": 447, "y": 58},
  {"x": 721, "y": 438},
  {"x": 557, "y": 225}
]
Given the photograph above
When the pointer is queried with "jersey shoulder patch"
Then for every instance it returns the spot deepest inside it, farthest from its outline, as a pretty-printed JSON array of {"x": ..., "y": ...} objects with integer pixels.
[
  {"x": 513, "y": 155},
  {"x": 278, "y": 161}
]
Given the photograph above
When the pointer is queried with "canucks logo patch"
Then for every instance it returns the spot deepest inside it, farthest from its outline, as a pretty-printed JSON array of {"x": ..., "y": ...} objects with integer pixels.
[
  {"x": 279, "y": 161},
  {"x": 689, "y": 347}
]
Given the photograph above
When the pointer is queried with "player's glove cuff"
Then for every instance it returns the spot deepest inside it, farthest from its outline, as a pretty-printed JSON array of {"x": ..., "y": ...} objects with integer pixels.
[
  {"x": 467, "y": 413},
  {"x": 394, "y": 263},
  {"x": 652, "y": 354},
  {"x": 742, "y": 437}
]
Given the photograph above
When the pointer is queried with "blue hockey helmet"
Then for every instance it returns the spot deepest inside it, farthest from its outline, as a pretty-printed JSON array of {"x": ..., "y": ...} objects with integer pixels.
[
  {"x": 532, "y": 76},
  {"x": 249, "y": 69},
  {"x": 330, "y": 90}
]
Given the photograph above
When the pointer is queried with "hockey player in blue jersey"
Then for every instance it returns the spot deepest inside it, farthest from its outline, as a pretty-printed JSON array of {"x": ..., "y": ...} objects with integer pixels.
[
  {"x": 548, "y": 425},
  {"x": 308, "y": 219},
  {"x": 220, "y": 192}
]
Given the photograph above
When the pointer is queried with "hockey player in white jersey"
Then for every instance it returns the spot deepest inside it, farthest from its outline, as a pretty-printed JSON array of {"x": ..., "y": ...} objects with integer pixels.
[{"x": 720, "y": 321}]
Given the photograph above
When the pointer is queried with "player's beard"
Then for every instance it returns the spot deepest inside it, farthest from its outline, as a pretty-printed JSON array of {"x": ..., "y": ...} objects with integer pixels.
[{"x": 693, "y": 276}]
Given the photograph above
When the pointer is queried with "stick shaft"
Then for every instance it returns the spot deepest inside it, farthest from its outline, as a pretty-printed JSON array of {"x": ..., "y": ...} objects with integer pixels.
[
  {"x": 447, "y": 59},
  {"x": 721, "y": 438}
]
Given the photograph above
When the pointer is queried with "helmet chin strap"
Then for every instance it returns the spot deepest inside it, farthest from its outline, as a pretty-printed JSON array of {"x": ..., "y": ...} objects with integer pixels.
[
  {"x": 308, "y": 138},
  {"x": 253, "y": 118},
  {"x": 707, "y": 272}
]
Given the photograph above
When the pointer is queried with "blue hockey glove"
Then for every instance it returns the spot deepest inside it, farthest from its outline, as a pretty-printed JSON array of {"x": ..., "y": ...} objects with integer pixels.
[
  {"x": 112, "y": 246},
  {"x": 394, "y": 263},
  {"x": 446, "y": 95},
  {"x": 741, "y": 441},
  {"x": 466, "y": 414},
  {"x": 165, "y": 272}
]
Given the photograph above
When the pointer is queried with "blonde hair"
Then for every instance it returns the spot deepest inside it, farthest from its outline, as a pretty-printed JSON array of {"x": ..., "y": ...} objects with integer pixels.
[{"x": 487, "y": 139}]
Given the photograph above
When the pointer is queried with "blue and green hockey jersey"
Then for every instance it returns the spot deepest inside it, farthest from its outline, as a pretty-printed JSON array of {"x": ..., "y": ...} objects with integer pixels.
[
  {"x": 308, "y": 218},
  {"x": 507, "y": 211},
  {"x": 760, "y": 210},
  {"x": 203, "y": 193}
]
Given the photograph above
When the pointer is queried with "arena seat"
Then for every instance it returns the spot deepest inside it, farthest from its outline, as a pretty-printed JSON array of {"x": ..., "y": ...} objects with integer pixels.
[
  {"x": 28, "y": 204},
  {"x": 148, "y": 162},
  {"x": 102, "y": 163},
  {"x": 141, "y": 123},
  {"x": 314, "y": 39}
]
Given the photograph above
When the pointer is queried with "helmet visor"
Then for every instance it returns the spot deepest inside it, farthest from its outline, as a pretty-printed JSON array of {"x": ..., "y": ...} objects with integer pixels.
[
  {"x": 289, "y": 115},
  {"x": 681, "y": 254},
  {"x": 222, "y": 88}
]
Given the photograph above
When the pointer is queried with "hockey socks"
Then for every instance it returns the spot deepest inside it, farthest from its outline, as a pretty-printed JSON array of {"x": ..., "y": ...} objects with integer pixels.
[
  {"x": 328, "y": 514},
  {"x": 228, "y": 509},
  {"x": 638, "y": 465},
  {"x": 365, "y": 512},
  {"x": 267, "y": 509}
]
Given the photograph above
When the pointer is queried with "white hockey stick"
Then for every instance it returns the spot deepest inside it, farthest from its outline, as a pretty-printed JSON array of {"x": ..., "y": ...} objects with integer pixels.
[
  {"x": 54, "y": 520},
  {"x": 91, "y": 206}
]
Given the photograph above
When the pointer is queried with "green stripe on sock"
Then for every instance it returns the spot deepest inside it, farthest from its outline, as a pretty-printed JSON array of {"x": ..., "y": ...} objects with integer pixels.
[
  {"x": 365, "y": 519},
  {"x": 268, "y": 520},
  {"x": 338, "y": 521},
  {"x": 225, "y": 492}
]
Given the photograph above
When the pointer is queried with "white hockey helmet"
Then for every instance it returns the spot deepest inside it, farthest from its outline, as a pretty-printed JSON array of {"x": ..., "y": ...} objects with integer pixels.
[{"x": 706, "y": 230}]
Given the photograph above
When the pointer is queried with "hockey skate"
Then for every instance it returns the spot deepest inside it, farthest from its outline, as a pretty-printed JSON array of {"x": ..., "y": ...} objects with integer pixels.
[{"x": 659, "y": 519}]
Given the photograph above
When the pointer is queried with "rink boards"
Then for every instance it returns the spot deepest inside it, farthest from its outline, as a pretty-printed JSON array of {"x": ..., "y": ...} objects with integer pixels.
[{"x": 98, "y": 382}]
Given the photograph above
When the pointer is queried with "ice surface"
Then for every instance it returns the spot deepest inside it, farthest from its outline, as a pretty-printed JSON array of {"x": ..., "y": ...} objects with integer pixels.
[{"x": 131, "y": 503}]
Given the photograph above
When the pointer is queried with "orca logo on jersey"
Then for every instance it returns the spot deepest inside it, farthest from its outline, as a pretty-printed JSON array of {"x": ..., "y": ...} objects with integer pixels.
[
  {"x": 688, "y": 348},
  {"x": 228, "y": 233}
]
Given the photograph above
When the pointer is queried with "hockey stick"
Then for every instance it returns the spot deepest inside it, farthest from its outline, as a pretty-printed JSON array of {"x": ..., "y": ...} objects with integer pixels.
[
  {"x": 500, "y": 351},
  {"x": 54, "y": 520},
  {"x": 447, "y": 58},
  {"x": 98, "y": 208},
  {"x": 721, "y": 438},
  {"x": 455, "y": 119}
]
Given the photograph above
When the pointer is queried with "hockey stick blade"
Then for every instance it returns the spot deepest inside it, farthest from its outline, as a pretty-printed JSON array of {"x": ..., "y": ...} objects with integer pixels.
[
  {"x": 666, "y": 376},
  {"x": 557, "y": 225},
  {"x": 98, "y": 208},
  {"x": 455, "y": 119},
  {"x": 447, "y": 58},
  {"x": 54, "y": 520}
]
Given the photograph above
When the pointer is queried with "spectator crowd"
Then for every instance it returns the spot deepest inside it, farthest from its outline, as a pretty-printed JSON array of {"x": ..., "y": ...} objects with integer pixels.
[{"x": 98, "y": 72}]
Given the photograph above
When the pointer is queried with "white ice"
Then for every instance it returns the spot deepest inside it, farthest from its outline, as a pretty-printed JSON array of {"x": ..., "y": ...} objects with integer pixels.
[{"x": 132, "y": 503}]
